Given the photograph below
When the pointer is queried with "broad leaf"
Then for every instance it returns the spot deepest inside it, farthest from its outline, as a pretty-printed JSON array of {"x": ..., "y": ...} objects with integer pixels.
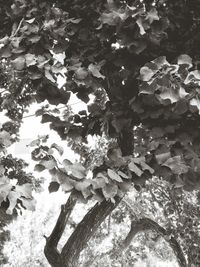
[
  {"x": 133, "y": 167},
  {"x": 48, "y": 164},
  {"x": 95, "y": 70},
  {"x": 146, "y": 74},
  {"x": 58, "y": 148},
  {"x": 185, "y": 59},
  {"x": 114, "y": 176},
  {"x": 110, "y": 191},
  {"x": 53, "y": 187},
  {"x": 176, "y": 165}
]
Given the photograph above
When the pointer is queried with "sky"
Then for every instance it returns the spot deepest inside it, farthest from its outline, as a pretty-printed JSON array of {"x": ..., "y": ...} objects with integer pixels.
[{"x": 32, "y": 127}]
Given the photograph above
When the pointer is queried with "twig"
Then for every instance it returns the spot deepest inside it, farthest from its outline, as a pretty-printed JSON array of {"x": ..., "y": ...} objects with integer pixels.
[{"x": 18, "y": 28}]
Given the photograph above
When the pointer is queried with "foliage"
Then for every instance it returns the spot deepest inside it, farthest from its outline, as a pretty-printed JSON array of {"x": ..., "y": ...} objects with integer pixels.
[
  {"x": 140, "y": 59},
  {"x": 42, "y": 42},
  {"x": 37, "y": 225}
]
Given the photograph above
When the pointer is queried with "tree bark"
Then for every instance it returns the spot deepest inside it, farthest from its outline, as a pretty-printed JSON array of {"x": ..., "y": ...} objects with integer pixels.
[
  {"x": 51, "y": 252},
  {"x": 84, "y": 231},
  {"x": 126, "y": 141},
  {"x": 148, "y": 224}
]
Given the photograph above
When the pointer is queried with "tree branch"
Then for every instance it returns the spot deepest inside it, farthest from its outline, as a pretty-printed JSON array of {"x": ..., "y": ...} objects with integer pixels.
[
  {"x": 145, "y": 224},
  {"x": 51, "y": 252},
  {"x": 84, "y": 231}
]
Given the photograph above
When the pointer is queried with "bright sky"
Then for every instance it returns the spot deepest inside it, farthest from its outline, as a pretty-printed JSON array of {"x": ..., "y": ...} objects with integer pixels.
[{"x": 32, "y": 127}]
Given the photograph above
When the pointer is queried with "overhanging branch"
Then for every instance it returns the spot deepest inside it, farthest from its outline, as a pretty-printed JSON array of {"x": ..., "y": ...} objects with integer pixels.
[{"x": 145, "y": 224}]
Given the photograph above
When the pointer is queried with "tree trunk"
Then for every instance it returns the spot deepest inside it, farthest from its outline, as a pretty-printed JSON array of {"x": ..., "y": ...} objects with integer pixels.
[{"x": 84, "y": 231}]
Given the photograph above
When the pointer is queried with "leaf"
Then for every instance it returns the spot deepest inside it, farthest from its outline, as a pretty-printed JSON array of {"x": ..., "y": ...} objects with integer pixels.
[
  {"x": 111, "y": 18},
  {"x": 146, "y": 74},
  {"x": 19, "y": 63},
  {"x": 83, "y": 186},
  {"x": 48, "y": 164},
  {"x": 66, "y": 164},
  {"x": 34, "y": 75},
  {"x": 2, "y": 170},
  {"x": 115, "y": 156},
  {"x": 101, "y": 175},
  {"x": 49, "y": 76},
  {"x": 185, "y": 59},
  {"x": 30, "y": 60},
  {"x": 110, "y": 191},
  {"x": 5, "y": 40},
  {"x": 182, "y": 92},
  {"x": 193, "y": 76},
  {"x": 4, "y": 191},
  {"x": 176, "y": 165},
  {"x": 98, "y": 182},
  {"x": 67, "y": 186},
  {"x": 138, "y": 46},
  {"x": 5, "y": 138},
  {"x": 152, "y": 15},
  {"x": 195, "y": 102},
  {"x": 34, "y": 38},
  {"x": 169, "y": 94},
  {"x": 78, "y": 171},
  {"x": 81, "y": 73},
  {"x": 114, "y": 176},
  {"x": 60, "y": 57},
  {"x": 142, "y": 163},
  {"x": 64, "y": 180},
  {"x": 39, "y": 168},
  {"x": 161, "y": 158},
  {"x": 12, "y": 197},
  {"x": 58, "y": 148},
  {"x": 160, "y": 62},
  {"x": 53, "y": 187},
  {"x": 126, "y": 186},
  {"x": 34, "y": 143},
  {"x": 95, "y": 70},
  {"x": 30, "y": 21},
  {"x": 25, "y": 190},
  {"x": 123, "y": 175},
  {"x": 29, "y": 204},
  {"x": 133, "y": 167},
  {"x": 75, "y": 21}
]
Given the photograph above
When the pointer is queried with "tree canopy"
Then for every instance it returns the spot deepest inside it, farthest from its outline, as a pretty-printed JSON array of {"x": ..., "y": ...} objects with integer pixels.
[{"x": 140, "y": 61}]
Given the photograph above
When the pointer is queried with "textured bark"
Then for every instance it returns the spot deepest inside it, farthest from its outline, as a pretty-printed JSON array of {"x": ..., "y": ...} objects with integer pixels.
[
  {"x": 126, "y": 141},
  {"x": 84, "y": 231},
  {"x": 148, "y": 224},
  {"x": 51, "y": 252}
]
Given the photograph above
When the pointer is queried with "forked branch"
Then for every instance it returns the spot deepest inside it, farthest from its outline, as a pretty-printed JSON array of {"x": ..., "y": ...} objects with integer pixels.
[{"x": 51, "y": 252}]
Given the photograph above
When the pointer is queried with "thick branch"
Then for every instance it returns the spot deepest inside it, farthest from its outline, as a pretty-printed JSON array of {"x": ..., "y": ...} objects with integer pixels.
[
  {"x": 126, "y": 141},
  {"x": 51, "y": 252},
  {"x": 84, "y": 231},
  {"x": 148, "y": 224}
]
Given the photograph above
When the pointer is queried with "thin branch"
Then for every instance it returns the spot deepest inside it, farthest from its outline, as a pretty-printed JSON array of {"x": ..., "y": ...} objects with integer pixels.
[
  {"x": 34, "y": 115},
  {"x": 18, "y": 28}
]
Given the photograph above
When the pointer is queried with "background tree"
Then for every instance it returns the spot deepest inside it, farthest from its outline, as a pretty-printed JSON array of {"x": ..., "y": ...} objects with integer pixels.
[{"x": 143, "y": 56}]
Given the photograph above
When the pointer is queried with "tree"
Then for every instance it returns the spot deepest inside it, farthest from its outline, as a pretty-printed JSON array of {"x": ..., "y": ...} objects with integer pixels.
[{"x": 141, "y": 61}]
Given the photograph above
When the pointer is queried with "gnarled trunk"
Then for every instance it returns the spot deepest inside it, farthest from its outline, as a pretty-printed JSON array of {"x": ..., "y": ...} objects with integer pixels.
[{"x": 83, "y": 232}]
